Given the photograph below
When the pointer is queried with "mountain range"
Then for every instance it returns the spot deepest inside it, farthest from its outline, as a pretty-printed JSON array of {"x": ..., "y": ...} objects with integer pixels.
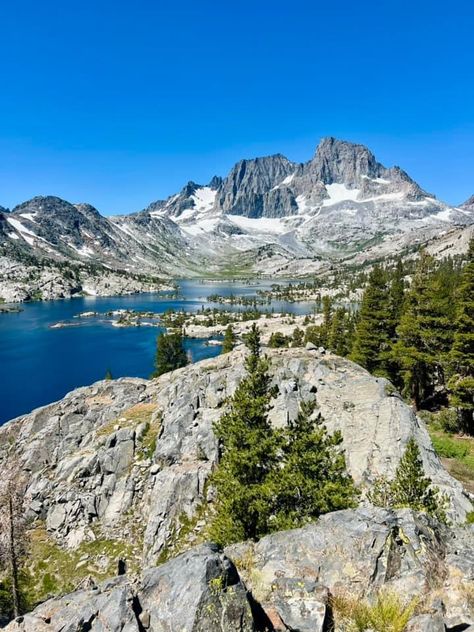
[{"x": 268, "y": 215}]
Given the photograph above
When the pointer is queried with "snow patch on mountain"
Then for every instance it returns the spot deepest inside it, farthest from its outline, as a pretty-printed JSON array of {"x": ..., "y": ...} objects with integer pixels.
[
  {"x": 259, "y": 224},
  {"x": 339, "y": 193}
]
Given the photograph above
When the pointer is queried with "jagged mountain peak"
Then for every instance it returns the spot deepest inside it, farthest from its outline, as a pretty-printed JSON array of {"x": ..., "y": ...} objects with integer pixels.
[
  {"x": 190, "y": 188},
  {"x": 469, "y": 204},
  {"x": 342, "y": 162},
  {"x": 215, "y": 183},
  {"x": 43, "y": 202}
]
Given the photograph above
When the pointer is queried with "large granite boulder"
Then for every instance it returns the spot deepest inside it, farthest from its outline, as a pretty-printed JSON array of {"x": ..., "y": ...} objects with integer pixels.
[{"x": 362, "y": 553}]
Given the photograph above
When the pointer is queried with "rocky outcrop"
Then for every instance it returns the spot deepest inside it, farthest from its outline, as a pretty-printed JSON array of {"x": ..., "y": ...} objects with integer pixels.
[
  {"x": 243, "y": 191},
  {"x": 198, "y": 591},
  {"x": 25, "y": 280},
  {"x": 131, "y": 458},
  {"x": 293, "y": 580},
  {"x": 361, "y": 553}
]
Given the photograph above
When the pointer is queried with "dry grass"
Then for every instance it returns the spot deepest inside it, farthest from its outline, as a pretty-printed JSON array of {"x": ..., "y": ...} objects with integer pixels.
[
  {"x": 140, "y": 413},
  {"x": 387, "y": 613}
]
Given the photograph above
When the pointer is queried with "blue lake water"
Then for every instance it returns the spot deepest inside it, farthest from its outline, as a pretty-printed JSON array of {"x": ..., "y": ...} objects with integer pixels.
[{"x": 39, "y": 365}]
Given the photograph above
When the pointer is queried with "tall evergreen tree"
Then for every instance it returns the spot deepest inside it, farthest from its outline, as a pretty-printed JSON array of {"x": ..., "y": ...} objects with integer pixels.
[
  {"x": 228, "y": 343},
  {"x": 338, "y": 338},
  {"x": 13, "y": 530},
  {"x": 461, "y": 383},
  {"x": 372, "y": 336},
  {"x": 312, "y": 478},
  {"x": 410, "y": 487},
  {"x": 327, "y": 320},
  {"x": 424, "y": 333},
  {"x": 170, "y": 353},
  {"x": 249, "y": 451},
  {"x": 396, "y": 297}
]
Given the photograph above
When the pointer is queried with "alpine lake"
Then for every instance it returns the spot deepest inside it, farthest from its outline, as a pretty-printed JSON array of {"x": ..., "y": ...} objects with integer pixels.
[{"x": 47, "y": 349}]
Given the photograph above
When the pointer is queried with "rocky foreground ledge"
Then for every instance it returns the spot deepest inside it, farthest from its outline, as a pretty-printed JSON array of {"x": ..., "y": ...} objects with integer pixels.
[
  {"x": 291, "y": 580},
  {"x": 118, "y": 471}
]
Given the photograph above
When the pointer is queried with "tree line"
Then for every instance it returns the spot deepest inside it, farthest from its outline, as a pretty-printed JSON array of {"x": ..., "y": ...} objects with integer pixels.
[
  {"x": 418, "y": 333},
  {"x": 270, "y": 479}
]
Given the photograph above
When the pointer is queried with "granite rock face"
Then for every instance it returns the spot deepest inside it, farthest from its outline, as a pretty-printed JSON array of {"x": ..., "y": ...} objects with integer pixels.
[
  {"x": 134, "y": 456},
  {"x": 244, "y": 190},
  {"x": 362, "y": 552},
  {"x": 128, "y": 461},
  {"x": 287, "y": 581}
]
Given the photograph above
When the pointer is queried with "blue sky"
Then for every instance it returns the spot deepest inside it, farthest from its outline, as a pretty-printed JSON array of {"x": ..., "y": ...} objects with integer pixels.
[{"x": 119, "y": 103}]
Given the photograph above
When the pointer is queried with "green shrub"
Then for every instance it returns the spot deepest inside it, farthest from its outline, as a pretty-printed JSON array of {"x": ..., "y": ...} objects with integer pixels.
[
  {"x": 445, "y": 419},
  {"x": 278, "y": 340},
  {"x": 470, "y": 517}
]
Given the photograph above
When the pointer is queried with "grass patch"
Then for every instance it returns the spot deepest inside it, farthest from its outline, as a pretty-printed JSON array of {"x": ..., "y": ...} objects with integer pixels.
[
  {"x": 185, "y": 527},
  {"x": 456, "y": 453},
  {"x": 148, "y": 439},
  {"x": 140, "y": 413},
  {"x": 449, "y": 447},
  {"x": 53, "y": 570},
  {"x": 388, "y": 613}
]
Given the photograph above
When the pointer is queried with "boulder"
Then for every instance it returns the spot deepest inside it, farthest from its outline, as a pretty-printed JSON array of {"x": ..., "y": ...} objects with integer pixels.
[
  {"x": 287, "y": 581},
  {"x": 362, "y": 553},
  {"x": 198, "y": 591}
]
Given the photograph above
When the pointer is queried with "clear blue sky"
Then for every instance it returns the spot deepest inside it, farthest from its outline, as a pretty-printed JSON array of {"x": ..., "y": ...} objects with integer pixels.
[{"x": 119, "y": 103}]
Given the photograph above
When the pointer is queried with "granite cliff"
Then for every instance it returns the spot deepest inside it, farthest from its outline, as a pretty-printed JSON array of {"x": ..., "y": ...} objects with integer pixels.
[{"x": 117, "y": 480}]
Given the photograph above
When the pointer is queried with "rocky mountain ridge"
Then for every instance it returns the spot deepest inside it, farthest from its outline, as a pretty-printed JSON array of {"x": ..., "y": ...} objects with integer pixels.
[
  {"x": 119, "y": 471},
  {"x": 267, "y": 212}
]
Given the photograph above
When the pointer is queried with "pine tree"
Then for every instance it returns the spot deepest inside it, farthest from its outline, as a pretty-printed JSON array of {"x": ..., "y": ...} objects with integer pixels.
[
  {"x": 249, "y": 451},
  {"x": 312, "y": 478},
  {"x": 108, "y": 375},
  {"x": 411, "y": 488},
  {"x": 461, "y": 383},
  {"x": 297, "y": 338},
  {"x": 424, "y": 333},
  {"x": 278, "y": 340},
  {"x": 170, "y": 353},
  {"x": 396, "y": 297},
  {"x": 327, "y": 320},
  {"x": 372, "y": 336},
  {"x": 228, "y": 343},
  {"x": 338, "y": 339},
  {"x": 13, "y": 531}
]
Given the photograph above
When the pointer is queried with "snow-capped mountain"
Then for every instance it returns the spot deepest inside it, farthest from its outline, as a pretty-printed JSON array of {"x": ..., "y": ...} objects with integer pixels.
[
  {"x": 337, "y": 203},
  {"x": 269, "y": 214}
]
